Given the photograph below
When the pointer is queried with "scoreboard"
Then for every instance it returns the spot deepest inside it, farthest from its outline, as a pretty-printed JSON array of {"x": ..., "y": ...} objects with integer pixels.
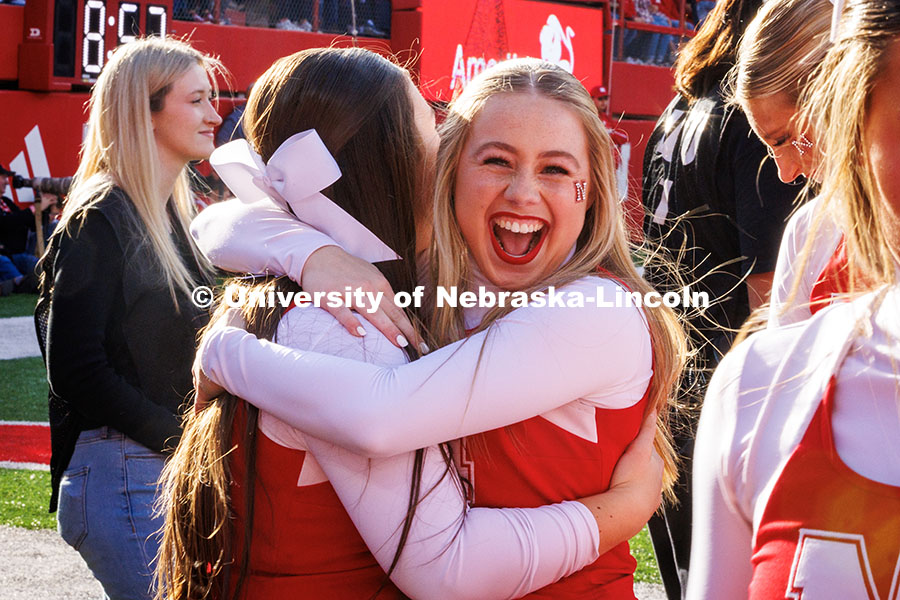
[{"x": 67, "y": 42}]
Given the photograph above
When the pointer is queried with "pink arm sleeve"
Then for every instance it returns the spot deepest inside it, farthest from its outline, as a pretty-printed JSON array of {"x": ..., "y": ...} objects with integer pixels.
[
  {"x": 255, "y": 238},
  {"x": 535, "y": 359},
  {"x": 450, "y": 553},
  {"x": 721, "y": 539}
]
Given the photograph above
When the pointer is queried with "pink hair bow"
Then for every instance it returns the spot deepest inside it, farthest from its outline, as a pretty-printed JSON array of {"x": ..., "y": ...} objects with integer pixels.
[{"x": 293, "y": 178}]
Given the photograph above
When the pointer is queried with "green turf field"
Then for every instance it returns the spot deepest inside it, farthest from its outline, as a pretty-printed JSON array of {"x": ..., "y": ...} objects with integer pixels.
[
  {"x": 23, "y": 389},
  {"x": 23, "y": 381},
  {"x": 24, "y": 498},
  {"x": 17, "y": 305},
  {"x": 642, "y": 550}
]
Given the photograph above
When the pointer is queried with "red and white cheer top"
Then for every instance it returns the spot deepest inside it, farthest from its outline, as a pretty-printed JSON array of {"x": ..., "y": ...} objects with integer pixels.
[{"x": 797, "y": 461}]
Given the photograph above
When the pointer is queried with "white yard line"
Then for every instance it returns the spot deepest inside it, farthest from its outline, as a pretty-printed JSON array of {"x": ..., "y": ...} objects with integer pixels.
[
  {"x": 23, "y": 466},
  {"x": 17, "y": 338}
]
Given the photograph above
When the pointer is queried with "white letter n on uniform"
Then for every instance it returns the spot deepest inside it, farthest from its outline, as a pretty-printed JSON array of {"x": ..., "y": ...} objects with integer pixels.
[{"x": 830, "y": 565}]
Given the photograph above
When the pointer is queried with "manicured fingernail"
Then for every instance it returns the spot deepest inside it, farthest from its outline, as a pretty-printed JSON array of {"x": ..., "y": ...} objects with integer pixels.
[
  {"x": 360, "y": 331},
  {"x": 423, "y": 348},
  {"x": 401, "y": 341}
]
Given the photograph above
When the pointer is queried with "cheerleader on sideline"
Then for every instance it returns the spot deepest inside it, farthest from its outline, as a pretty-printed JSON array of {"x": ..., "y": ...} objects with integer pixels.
[
  {"x": 272, "y": 509},
  {"x": 777, "y": 56},
  {"x": 797, "y": 464}
]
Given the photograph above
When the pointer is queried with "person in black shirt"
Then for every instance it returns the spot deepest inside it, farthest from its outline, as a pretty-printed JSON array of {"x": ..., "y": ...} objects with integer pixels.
[
  {"x": 115, "y": 314},
  {"x": 16, "y": 265},
  {"x": 716, "y": 204}
]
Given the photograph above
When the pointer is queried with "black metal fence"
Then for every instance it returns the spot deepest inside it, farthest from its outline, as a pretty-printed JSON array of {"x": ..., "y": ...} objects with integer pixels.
[{"x": 367, "y": 18}]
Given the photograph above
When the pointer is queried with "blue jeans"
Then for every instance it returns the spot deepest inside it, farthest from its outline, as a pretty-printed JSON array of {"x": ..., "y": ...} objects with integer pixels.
[
  {"x": 703, "y": 8},
  {"x": 658, "y": 48},
  {"x": 106, "y": 510},
  {"x": 8, "y": 268},
  {"x": 25, "y": 262}
]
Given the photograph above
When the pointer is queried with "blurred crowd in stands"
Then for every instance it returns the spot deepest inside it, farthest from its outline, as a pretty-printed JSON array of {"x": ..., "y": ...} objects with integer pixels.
[
  {"x": 653, "y": 47},
  {"x": 370, "y": 18}
]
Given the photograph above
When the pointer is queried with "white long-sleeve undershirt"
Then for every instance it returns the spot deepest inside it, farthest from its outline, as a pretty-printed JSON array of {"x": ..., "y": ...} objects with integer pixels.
[
  {"x": 451, "y": 553},
  {"x": 257, "y": 238},
  {"x": 532, "y": 361},
  {"x": 809, "y": 218},
  {"x": 538, "y": 546}
]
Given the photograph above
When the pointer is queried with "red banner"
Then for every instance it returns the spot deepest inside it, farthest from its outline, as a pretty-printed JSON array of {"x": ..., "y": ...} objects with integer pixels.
[
  {"x": 44, "y": 136},
  {"x": 458, "y": 40}
]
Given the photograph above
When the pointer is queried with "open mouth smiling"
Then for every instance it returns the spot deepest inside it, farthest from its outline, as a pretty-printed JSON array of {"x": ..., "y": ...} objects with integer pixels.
[{"x": 517, "y": 240}]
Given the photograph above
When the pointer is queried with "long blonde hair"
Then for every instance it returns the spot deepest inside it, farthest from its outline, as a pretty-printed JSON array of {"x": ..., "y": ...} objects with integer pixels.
[
  {"x": 781, "y": 49},
  {"x": 603, "y": 242},
  {"x": 119, "y": 148},
  {"x": 835, "y": 104},
  {"x": 779, "y": 54}
]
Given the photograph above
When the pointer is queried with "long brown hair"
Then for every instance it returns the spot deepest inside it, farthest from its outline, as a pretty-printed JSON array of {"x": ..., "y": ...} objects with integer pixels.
[
  {"x": 703, "y": 62},
  {"x": 603, "y": 242},
  {"x": 359, "y": 104},
  {"x": 196, "y": 552}
]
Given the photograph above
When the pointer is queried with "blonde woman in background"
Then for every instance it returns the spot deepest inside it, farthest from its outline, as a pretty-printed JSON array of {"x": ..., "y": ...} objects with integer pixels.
[
  {"x": 115, "y": 313},
  {"x": 783, "y": 46},
  {"x": 797, "y": 464}
]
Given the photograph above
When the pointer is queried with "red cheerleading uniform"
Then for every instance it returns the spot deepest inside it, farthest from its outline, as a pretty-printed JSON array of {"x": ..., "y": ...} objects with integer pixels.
[
  {"x": 795, "y": 471},
  {"x": 585, "y": 373},
  {"x": 841, "y": 541},
  {"x": 300, "y": 533},
  {"x": 832, "y": 281},
  {"x": 304, "y": 544},
  {"x": 321, "y": 509},
  {"x": 537, "y": 462}
]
